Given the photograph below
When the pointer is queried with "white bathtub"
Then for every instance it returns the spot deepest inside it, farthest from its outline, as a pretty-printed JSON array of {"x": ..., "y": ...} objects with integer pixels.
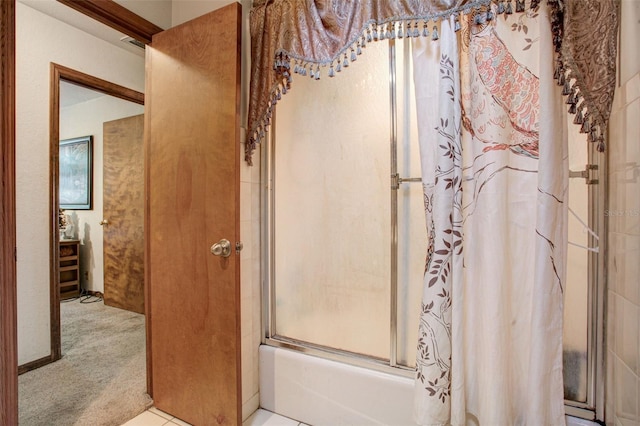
[{"x": 323, "y": 392}]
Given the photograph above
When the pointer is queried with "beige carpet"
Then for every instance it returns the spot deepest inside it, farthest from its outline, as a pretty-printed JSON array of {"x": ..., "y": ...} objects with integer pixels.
[{"x": 101, "y": 378}]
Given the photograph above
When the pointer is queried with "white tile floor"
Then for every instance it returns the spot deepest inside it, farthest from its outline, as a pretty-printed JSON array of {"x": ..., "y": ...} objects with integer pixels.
[{"x": 155, "y": 417}]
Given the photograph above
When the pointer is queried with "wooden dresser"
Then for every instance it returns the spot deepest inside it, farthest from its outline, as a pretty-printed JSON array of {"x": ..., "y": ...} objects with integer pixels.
[{"x": 69, "y": 281}]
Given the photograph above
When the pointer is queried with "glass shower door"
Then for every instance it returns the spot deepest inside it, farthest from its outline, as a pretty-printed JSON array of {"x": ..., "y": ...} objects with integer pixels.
[
  {"x": 331, "y": 210},
  {"x": 336, "y": 284},
  {"x": 582, "y": 337}
]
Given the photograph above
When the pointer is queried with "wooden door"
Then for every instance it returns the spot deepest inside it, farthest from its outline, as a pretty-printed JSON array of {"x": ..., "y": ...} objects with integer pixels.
[
  {"x": 193, "y": 149},
  {"x": 123, "y": 211}
]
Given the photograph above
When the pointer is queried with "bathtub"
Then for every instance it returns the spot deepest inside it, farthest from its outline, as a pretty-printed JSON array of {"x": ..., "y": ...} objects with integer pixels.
[{"x": 317, "y": 391}]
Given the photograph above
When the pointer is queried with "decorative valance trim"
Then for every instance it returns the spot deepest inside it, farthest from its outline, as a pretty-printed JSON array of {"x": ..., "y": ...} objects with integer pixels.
[
  {"x": 586, "y": 63},
  {"x": 322, "y": 37}
]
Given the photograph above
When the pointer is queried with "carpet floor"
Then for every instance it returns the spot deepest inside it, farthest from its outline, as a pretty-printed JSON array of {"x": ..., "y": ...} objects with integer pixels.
[{"x": 101, "y": 378}]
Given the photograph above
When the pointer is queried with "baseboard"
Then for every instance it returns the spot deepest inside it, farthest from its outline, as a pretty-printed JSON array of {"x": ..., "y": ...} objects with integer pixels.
[
  {"x": 32, "y": 365},
  {"x": 250, "y": 406}
]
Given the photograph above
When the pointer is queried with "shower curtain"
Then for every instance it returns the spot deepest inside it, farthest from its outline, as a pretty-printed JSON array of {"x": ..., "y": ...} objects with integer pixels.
[
  {"x": 494, "y": 167},
  {"x": 494, "y": 177}
]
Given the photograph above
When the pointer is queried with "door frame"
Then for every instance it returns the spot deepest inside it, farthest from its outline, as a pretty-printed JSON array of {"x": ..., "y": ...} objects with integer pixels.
[
  {"x": 62, "y": 73},
  {"x": 8, "y": 293}
]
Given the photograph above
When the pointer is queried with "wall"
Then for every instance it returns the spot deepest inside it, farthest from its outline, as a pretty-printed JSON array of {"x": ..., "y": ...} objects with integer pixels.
[
  {"x": 41, "y": 40},
  {"x": 623, "y": 214},
  {"x": 83, "y": 119},
  {"x": 251, "y": 282},
  {"x": 156, "y": 11}
]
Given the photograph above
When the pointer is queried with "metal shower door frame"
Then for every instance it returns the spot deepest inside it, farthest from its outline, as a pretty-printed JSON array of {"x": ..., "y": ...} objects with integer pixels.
[{"x": 594, "y": 406}]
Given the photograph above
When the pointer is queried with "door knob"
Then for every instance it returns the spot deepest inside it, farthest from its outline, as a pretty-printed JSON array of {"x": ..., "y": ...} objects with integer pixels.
[
  {"x": 221, "y": 248},
  {"x": 104, "y": 222}
]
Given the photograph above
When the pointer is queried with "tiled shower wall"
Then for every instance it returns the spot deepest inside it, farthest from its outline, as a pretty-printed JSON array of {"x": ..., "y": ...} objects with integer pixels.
[
  {"x": 250, "y": 280},
  {"x": 623, "y": 387},
  {"x": 623, "y": 214},
  {"x": 623, "y": 363}
]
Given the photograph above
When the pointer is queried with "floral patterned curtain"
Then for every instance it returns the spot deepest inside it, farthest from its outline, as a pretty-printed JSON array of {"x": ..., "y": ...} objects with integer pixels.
[
  {"x": 494, "y": 175},
  {"x": 319, "y": 38}
]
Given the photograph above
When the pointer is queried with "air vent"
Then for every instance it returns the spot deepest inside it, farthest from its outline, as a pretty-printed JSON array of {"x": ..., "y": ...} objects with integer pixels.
[{"x": 133, "y": 41}]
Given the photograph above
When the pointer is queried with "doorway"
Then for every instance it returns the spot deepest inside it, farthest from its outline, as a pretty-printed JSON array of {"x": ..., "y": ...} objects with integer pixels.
[
  {"x": 82, "y": 104},
  {"x": 110, "y": 230},
  {"x": 38, "y": 345},
  {"x": 10, "y": 306},
  {"x": 60, "y": 73}
]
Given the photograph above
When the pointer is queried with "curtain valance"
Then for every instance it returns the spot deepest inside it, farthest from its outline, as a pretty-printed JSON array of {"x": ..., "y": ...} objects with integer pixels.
[{"x": 317, "y": 38}]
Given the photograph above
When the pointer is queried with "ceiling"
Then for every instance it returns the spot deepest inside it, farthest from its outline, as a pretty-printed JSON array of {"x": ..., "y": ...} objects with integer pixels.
[
  {"x": 71, "y": 94},
  {"x": 155, "y": 11}
]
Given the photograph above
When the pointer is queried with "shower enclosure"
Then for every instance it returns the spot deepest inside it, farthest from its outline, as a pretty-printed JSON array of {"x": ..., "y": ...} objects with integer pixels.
[{"x": 345, "y": 237}]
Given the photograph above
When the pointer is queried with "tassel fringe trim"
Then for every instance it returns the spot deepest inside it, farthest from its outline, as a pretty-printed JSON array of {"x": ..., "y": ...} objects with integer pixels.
[{"x": 398, "y": 28}]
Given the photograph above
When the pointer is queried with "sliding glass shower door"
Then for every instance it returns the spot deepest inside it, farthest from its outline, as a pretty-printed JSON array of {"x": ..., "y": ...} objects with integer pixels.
[
  {"x": 346, "y": 227},
  {"x": 331, "y": 210},
  {"x": 583, "y": 339},
  {"x": 346, "y": 263}
]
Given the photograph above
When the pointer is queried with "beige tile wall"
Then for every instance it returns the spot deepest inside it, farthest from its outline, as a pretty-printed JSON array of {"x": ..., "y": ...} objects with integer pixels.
[
  {"x": 623, "y": 213},
  {"x": 250, "y": 281}
]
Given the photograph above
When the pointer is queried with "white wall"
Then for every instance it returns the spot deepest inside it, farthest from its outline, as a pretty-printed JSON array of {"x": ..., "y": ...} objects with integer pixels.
[
  {"x": 156, "y": 11},
  {"x": 629, "y": 34},
  {"x": 84, "y": 119},
  {"x": 623, "y": 215},
  {"x": 41, "y": 40}
]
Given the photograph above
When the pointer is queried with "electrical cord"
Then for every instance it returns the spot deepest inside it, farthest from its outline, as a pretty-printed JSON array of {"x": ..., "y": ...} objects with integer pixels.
[
  {"x": 85, "y": 297},
  {"x": 91, "y": 298}
]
